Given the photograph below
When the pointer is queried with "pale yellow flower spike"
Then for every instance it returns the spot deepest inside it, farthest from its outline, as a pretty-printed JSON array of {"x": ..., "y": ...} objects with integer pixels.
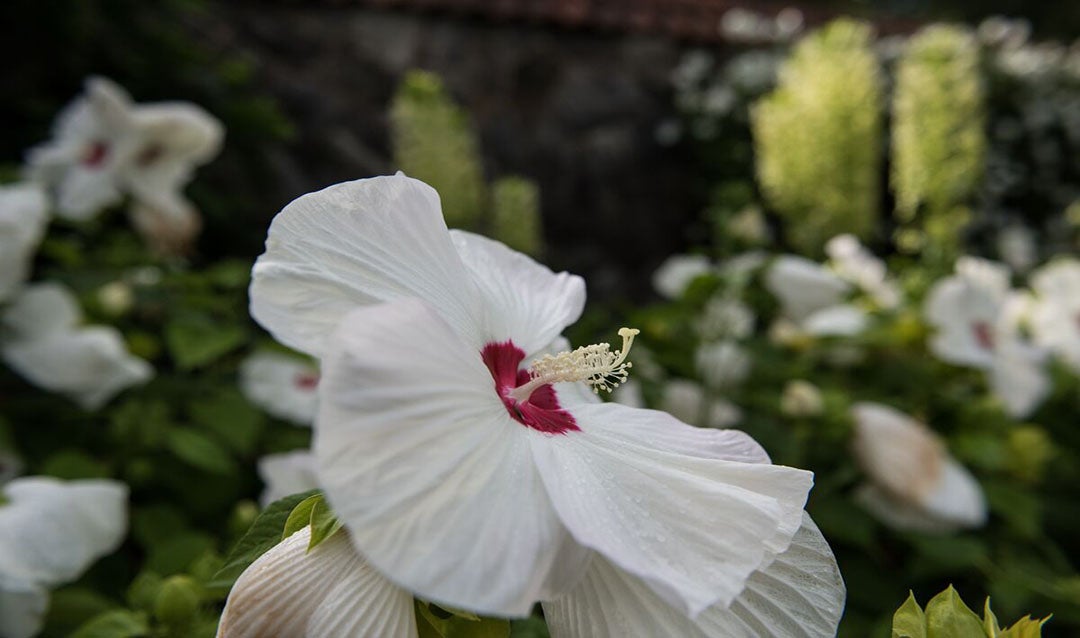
[{"x": 596, "y": 365}]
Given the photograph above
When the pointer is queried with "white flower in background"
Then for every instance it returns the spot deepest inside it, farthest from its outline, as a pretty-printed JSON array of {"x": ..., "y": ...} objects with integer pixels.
[
  {"x": 432, "y": 426},
  {"x": 722, "y": 364},
  {"x": 629, "y": 394},
  {"x": 1053, "y": 313},
  {"x": 673, "y": 276},
  {"x": 104, "y": 146},
  {"x": 687, "y": 401},
  {"x": 801, "y": 398},
  {"x": 23, "y": 217},
  {"x": 974, "y": 326},
  {"x": 51, "y": 531},
  {"x": 283, "y": 385},
  {"x": 328, "y": 592},
  {"x": 286, "y": 474},
  {"x": 43, "y": 341},
  {"x": 725, "y": 316},
  {"x": 812, "y": 297},
  {"x": 93, "y": 140},
  {"x": 854, "y": 263},
  {"x": 749, "y": 225},
  {"x": 915, "y": 484},
  {"x": 1016, "y": 245}
]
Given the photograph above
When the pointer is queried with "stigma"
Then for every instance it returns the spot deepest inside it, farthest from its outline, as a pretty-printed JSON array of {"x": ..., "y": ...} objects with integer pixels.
[{"x": 595, "y": 365}]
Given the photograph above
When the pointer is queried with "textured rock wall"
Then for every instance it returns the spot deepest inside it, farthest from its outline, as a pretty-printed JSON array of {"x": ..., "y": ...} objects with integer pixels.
[{"x": 575, "y": 110}]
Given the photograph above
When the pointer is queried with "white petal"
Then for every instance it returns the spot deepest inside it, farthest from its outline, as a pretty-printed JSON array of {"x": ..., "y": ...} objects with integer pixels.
[
  {"x": 1019, "y": 379},
  {"x": 23, "y": 217},
  {"x": 285, "y": 474},
  {"x": 533, "y": 304},
  {"x": 421, "y": 461},
  {"x": 842, "y": 320},
  {"x": 22, "y": 608},
  {"x": 283, "y": 385},
  {"x": 359, "y": 243},
  {"x": 693, "y": 525},
  {"x": 83, "y": 193},
  {"x": 51, "y": 530},
  {"x": 328, "y": 592},
  {"x": 803, "y": 286},
  {"x": 172, "y": 138},
  {"x": 899, "y": 514},
  {"x": 799, "y": 595},
  {"x": 40, "y": 310},
  {"x": 88, "y": 365},
  {"x": 677, "y": 272},
  {"x": 954, "y": 306},
  {"x": 902, "y": 455},
  {"x": 958, "y": 498},
  {"x": 723, "y": 364},
  {"x": 167, "y": 222}
]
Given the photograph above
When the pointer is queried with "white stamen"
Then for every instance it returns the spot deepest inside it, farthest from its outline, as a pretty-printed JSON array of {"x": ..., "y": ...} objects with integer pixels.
[{"x": 596, "y": 365}]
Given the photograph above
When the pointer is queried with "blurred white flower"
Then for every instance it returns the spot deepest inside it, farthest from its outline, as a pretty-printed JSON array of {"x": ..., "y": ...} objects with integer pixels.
[
  {"x": 629, "y": 394},
  {"x": 1054, "y": 311},
  {"x": 974, "y": 327},
  {"x": 677, "y": 272},
  {"x": 23, "y": 218},
  {"x": 854, "y": 263},
  {"x": 723, "y": 317},
  {"x": 286, "y": 474},
  {"x": 801, "y": 398},
  {"x": 104, "y": 145},
  {"x": 51, "y": 531},
  {"x": 812, "y": 297},
  {"x": 327, "y": 592},
  {"x": 283, "y": 385},
  {"x": 432, "y": 426},
  {"x": 722, "y": 364},
  {"x": 914, "y": 483},
  {"x": 44, "y": 343},
  {"x": 1016, "y": 245},
  {"x": 686, "y": 401}
]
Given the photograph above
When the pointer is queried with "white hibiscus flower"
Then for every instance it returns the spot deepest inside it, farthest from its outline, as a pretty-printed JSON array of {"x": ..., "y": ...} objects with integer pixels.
[
  {"x": 51, "y": 531},
  {"x": 723, "y": 364},
  {"x": 431, "y": 425},
  {"x": 854, "y": 263},
  {"x": 23, "y": 218},
  {"x": 687, "y": 401},
  {"x": 104, "y": 146},
  {"x": 1054, "y": 312},
  {"x": 283, "y": 385},
  {"x": 974, "y": 326},
  {"x": 813, "y": 297},
  {"x": 44, "y": 342},
  {"x": 677, "y": 272},
  {"x": 915, "y": 484}
]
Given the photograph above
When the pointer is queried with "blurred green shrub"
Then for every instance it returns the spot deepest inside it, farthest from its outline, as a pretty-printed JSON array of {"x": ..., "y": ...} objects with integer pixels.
[{"x": 818, "y": 137}]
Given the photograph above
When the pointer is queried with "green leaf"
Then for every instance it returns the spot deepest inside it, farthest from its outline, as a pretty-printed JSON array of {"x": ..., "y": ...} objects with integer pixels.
[
  {"x": 531, "y": 627},
  {"x": 990, "y": 621},
  {"x": 198, "y": 450},
  {"x": 120, "y": 623},
  {"x": 176, "y": 554},
  {"x": 324, "y": 523},
  {"x": 230, "y": 417},
  {"x": 948, "y": 617},
  {"x": 300, "y": 517},
  {"x": 73, "y": 464},
  {"x": 265, "y": 532},
  {"x": 436, "y": 621},
  {"x": 909, "y": 621},
  {"x": 196, "y": 340}
]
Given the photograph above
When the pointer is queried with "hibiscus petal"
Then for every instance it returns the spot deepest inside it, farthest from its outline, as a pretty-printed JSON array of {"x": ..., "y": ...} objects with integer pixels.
[
  {"x": 432, "y": 477},
  {"x": 283, "y": 385},
  {"x": 23, "y": 217},
  {"x": 40, "y": 310},
  {"x": 694, "y": 526},
  {"x": 354, "y": 244},
  {"x": 285, "y": 474},
  {"x": 22, "y": 608},
  {"x": 799, "y": 595},
  {"x": 325, "y": 593},
  {"x": 803, "y": 286},
  {"x": 535, "y": 304},
  {"x": 1018, "y": 378}
]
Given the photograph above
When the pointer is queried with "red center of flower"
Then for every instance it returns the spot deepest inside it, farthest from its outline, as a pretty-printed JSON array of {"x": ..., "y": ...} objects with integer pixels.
[
  {"x": 95, "y": 154},
  {"x": 541, "y": 411},
  {"x": 306, "y": 380},
  {"x": 984, "y": 335}
]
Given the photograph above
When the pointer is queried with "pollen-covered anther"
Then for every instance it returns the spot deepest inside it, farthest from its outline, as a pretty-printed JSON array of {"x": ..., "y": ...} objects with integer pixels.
[{"x": 596, "y": 365}]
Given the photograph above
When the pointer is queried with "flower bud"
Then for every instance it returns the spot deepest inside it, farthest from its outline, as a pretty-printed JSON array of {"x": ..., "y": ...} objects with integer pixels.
[{"x": 801, "y": 399}]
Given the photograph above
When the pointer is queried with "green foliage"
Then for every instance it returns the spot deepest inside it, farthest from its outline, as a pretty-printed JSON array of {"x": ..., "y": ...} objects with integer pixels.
[
  {"x": 947, "y": 616},
  {"x": 115, "y": 624},
  {"x": 818, "y": 137},
  {"x": 516, "y": 214},
  {"x": 938, "y": 139},
  {"x": 434, "y": 621},
  {"x": 313, "y": 511},
  {"x": 434, "y": 142}
]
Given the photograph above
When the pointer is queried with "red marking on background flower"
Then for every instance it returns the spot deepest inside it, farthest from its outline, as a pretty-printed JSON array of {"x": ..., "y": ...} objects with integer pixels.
[
  {"x": 149, "y": 155},
  {"x": 541, "y": 411},
  {"x": 95, "y": 154},
  {"x": 984, "y": 335},
  {"x": 306, "y": 380}
]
